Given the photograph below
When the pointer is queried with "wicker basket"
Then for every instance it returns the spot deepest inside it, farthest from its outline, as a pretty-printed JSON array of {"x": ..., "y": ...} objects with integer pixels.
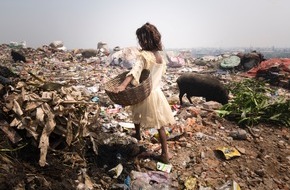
[{"x": 132, "y": 94}]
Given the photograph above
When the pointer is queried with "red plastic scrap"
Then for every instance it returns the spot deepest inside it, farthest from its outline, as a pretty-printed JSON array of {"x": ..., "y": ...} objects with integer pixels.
[{"x": 282, "y": 63}]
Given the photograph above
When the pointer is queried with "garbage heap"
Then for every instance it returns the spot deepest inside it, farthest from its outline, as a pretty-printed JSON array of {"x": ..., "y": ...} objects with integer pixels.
[{"x": 54, "y": 112}]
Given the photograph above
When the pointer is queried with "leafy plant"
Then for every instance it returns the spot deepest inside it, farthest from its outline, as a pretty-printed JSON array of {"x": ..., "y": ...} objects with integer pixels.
[{"x": 255, "y": 103}]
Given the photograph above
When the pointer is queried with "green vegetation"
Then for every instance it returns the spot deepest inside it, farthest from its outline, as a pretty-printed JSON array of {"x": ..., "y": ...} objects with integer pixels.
[{"x": 255, "y": 103}]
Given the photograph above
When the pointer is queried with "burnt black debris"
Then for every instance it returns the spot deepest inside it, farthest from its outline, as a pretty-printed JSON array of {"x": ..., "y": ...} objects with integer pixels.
[
  {"x": 17, "y": 56},
  {"x": 5, "y": 72}
]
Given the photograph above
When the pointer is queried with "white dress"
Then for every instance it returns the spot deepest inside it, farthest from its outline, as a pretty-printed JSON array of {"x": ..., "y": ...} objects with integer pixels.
[{"x": 154, "y": 111}]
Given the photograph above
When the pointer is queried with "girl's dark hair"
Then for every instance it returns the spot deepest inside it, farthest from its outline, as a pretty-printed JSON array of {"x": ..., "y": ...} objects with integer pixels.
[{"x": 149, "y": 37}]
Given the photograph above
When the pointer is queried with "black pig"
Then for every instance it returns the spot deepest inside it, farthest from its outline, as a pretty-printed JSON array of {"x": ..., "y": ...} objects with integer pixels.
[{"x": 205, "y": 86}]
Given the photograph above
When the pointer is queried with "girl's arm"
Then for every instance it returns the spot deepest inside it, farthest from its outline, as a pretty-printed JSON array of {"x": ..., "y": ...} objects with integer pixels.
[
  {"x": 134, "y": 74},
  {"x": 124, "y": 84}
]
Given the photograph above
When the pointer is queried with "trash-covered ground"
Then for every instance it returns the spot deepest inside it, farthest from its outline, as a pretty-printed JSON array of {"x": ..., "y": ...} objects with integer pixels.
[{"x": 59, "y": 130}]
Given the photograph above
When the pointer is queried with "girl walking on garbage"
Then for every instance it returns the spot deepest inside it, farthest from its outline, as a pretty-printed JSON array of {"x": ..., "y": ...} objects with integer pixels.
[{"x": 154, "y": 111}]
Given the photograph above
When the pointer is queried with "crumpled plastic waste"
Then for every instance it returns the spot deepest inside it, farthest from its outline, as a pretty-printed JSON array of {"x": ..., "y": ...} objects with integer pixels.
[
  {"x": 127, "y": 183},
  {"x": 127, "y": 125},
  {"x": 95, "y": 99},
  {"x": 164, "y": 167},
  {"x": 230, "y": 185},
  {"x": 229, "y": 152},
  {"x": 190, "y": 183},
  {"x": 151, "y": 180},
  {"x": 117, "y": 170}
]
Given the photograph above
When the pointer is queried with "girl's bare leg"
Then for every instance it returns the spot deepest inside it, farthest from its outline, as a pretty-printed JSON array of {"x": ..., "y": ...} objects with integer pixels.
[
  {"x": 164, "y": 157},
  {"x": 138, "y": 132}
]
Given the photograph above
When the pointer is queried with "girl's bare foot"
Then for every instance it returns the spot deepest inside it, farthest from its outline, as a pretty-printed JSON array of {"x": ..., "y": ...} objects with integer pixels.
[{"x": 162, "y": 158}]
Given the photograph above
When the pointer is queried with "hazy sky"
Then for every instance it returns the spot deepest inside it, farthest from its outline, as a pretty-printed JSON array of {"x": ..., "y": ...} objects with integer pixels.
[{"x": 182, "y": 23}]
